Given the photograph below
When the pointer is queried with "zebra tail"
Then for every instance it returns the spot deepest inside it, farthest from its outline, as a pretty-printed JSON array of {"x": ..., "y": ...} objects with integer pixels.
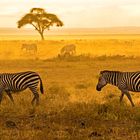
[{"x": 41, "y": 87}]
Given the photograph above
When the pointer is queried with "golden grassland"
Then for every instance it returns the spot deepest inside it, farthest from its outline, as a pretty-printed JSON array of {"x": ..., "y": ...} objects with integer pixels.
[
  {"x": 95, "y": 45},
  {"x": 71, "y": 108}
]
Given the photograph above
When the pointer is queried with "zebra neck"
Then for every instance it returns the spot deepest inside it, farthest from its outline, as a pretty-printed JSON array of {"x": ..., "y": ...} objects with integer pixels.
[{"x": 112, "y": 78}]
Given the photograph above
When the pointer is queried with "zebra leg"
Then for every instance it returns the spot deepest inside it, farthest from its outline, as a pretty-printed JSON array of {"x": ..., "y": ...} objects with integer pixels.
[
  {"x": 129, "y": 97},
  {"x": 32, "y": 102},
  {"x": 121, "y": 97},
  {"x": 36, "y": 96},
  {"x": 1, "y": 95},
  {"x": 10, "y": 96}
]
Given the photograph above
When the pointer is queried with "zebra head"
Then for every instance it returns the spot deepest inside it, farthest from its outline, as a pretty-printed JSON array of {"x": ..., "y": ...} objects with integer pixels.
[{"x": 101, "y": 81}]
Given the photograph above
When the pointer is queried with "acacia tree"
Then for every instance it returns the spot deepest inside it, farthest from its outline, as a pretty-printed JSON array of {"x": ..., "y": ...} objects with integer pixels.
[{"x": 40, "y": 20}]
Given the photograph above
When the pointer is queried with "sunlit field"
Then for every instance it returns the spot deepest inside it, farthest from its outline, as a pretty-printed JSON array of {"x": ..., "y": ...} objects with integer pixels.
[
  {"x": 96, "y": 45},
  {"x": 71, "y": 108}
]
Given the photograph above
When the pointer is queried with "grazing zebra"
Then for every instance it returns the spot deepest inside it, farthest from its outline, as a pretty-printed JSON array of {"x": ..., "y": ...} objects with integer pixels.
[
  {"x": 125, "y": 81},
  {"x": 29, "y": 48},
  {"x": 68, "y": 49},
  {"x": 16, "y": 82}
]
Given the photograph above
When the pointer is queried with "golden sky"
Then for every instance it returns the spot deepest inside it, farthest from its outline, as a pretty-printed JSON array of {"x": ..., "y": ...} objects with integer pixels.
[{"x": 76, "y": 13}]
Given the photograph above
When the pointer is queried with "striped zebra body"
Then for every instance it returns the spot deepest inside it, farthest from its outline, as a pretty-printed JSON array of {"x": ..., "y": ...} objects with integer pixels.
[
  {"x": 125, "y": 81},
  {"x": 70, "y": 49},
  {"x": 131, "y": 80},
  {"x": 29, "y": 48},
  {"x": 16, "y": 82}
]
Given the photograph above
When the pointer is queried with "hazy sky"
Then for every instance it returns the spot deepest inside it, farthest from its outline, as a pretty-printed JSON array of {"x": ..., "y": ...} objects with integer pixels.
[{"x": 76, "y": 13}]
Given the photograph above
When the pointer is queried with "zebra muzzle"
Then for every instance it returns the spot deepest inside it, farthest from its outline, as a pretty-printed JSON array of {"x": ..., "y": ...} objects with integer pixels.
[{"x": 98, "y": 89}]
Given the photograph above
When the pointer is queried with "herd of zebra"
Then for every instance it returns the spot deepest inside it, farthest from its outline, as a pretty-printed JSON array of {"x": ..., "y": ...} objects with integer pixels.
[
  {"x": 16, "y": 82},
  {"x": 67, "y": 50}
]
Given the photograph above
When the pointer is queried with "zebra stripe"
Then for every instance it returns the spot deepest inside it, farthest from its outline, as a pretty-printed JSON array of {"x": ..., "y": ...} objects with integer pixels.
[
  {"x": 16, "y": 82},
  {"x": 125, "y": 81}
]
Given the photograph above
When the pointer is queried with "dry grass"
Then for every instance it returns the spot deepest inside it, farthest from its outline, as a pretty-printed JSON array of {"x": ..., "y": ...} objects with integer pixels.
[
  {"x": 71, "y": 108},
  {"x": 92, "y": 45}
]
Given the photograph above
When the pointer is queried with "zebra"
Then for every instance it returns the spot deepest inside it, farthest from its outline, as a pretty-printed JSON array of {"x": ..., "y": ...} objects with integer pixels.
[
  {"x": 68, "y": 49},
  {"x": 125, "y": 81},
  {"x": 29, "y": 48},
  {"x": 17, "y": 82}
]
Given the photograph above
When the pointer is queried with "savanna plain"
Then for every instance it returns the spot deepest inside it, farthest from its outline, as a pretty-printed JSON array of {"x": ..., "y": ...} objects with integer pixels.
[{"x": 71, "y": 108}]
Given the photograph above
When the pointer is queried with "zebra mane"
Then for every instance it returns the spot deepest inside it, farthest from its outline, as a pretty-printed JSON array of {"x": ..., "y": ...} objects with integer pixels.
[{"x": 104, "y": 71}]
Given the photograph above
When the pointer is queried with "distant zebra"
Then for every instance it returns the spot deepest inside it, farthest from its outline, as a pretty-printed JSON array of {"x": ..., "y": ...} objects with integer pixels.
[
  {"x": 68, "y": 49},
  {"x": 125, "y": 81},
  {"x": 29, "y": 48},
  {"x": 16, "y": 82}
]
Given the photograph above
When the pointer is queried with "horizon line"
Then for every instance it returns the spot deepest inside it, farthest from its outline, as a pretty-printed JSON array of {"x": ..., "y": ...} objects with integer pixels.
[{"x": 78, "y": 27}]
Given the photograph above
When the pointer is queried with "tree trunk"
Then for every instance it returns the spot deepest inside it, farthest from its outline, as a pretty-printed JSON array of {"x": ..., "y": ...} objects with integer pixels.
[{"x": 42, "y": 36}]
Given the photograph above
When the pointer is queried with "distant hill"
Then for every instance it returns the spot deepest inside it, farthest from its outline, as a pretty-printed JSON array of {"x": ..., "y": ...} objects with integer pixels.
[{"x": 72, "y": 31}]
